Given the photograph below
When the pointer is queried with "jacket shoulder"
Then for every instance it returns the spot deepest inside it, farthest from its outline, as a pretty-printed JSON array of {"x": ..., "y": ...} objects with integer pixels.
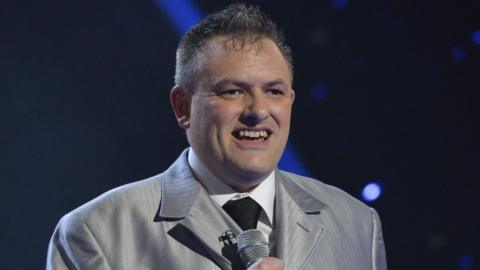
[
  {"x": 89, "y": 236},
  {"x": 137, "y": 197},
  {"x": 332, "y": 196}
]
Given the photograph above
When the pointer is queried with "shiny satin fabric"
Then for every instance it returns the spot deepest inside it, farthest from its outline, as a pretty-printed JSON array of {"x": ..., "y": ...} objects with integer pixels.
[{"x": 169, "y": 222}]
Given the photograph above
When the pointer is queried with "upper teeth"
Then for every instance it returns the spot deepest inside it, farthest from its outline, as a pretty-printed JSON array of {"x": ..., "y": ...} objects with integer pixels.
[{"x": 253, "y": 134}]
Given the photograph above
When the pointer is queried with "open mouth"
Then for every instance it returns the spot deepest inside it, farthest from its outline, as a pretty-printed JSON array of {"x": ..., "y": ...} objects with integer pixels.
[{"x": 251, "y": 135}]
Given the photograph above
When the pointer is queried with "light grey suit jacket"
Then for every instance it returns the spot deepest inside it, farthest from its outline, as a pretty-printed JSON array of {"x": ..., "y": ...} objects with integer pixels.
[{"x": 169, "y": 222}]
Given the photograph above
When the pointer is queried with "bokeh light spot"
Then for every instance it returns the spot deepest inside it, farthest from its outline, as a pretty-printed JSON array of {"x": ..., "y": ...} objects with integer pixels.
[
  {"x": 459, "y": 54},
  {"x": 339, "y": 3},
  {"x": 319, "y": 91},
  {"x": 371, "y": 192},
  {"x": 465, "y": 262},
  {"x": 476, "y": 37}
]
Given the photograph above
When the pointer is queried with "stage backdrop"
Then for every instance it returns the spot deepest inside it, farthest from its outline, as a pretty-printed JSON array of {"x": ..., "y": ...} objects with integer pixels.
[{"x": 387, "y": 93}]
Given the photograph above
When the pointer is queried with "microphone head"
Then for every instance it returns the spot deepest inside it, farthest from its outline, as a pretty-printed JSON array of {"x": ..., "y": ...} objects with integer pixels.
[{"x": 252, "y": 246}]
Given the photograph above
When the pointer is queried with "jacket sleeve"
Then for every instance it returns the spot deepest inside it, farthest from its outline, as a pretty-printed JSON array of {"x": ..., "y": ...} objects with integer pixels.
[
  {"x": 74, "y": 246},
  {"x": 379, "y": 258}
]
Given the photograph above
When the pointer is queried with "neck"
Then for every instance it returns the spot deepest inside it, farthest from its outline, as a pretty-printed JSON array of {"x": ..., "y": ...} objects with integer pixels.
[{"x": 219, "y": 183}]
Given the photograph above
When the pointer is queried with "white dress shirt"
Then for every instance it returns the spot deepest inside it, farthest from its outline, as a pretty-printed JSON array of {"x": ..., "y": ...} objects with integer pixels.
[{"x": 221, "y": 193}]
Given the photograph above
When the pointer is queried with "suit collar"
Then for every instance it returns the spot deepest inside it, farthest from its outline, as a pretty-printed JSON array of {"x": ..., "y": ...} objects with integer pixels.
[
  {"x": 221, "y": 193},
  {"x": 302, "y": 198},
  {"x": 179, "y": 189},
  {"x": 299, "y": 225},
  {"x": 185, "y": 201}
]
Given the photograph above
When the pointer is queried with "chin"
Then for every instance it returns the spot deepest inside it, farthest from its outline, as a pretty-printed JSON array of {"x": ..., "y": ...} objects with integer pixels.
[{"x": 246, "y": 171}]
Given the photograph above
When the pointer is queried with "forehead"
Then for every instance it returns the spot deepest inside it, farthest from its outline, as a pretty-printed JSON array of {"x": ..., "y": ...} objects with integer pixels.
[{"x": 244, "y": 57}]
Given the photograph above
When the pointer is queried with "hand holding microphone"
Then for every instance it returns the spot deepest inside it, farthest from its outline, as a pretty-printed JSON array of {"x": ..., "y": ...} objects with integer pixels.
[
  {"x": 270, "y": 263},
  {"x": 254, "y": 251}
]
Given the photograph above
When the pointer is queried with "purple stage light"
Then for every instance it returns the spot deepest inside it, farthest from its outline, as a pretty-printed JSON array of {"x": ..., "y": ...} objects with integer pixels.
[{"x": 371, "y": 192}]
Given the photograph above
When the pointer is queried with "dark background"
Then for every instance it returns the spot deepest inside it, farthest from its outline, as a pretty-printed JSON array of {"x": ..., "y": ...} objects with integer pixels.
[{"x": 387, "y": 91}]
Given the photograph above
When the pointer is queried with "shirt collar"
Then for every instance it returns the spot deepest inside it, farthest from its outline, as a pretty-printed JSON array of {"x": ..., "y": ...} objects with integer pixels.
[{"x": 221, "y": 193}]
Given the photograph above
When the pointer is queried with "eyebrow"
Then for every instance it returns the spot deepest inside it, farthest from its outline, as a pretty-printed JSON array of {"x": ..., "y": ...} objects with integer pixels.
[
  {"x": 243, "y": 84},
  {"x": 275, "y": 83}
]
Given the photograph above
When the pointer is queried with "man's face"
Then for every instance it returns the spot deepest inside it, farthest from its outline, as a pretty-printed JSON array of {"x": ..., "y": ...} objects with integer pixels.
[{"x": 240, "y": 111}]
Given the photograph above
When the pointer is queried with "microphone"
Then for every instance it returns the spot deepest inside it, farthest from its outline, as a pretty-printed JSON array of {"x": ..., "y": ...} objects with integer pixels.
[{"x": 252, "y": 247}]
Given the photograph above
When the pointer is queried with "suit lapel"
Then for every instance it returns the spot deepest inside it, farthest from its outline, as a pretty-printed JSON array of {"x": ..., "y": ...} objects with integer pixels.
[
  {"x": 185, "y": 200},
  {"x": 207, "y": 223},
  {"x": 298, "y": 228}
]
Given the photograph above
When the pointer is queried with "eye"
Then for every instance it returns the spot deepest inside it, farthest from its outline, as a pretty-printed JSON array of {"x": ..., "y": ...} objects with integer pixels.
[
  {"x": 275, "y": 92},
  {"x": 231, "y": 93}
]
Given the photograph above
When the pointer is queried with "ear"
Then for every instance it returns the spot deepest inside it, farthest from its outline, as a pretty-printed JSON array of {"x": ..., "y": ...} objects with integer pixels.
[
  {"x": 293, "y": 95},
  {"x": 180, "y": 100}
]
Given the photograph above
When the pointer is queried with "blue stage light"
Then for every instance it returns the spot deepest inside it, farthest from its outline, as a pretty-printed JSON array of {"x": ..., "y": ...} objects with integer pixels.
[
  {"x": 459, "y": 54},
  {"x": 371, "y": 192},
  {"x": 476, "y": 37},
  {"x": 290, "y": 161},
  {"x": 319, "y": 91},
  {"x": 183, "y": 13},
  {"x": 339, "y": 3},
  {"x": 465, "y": 262}
]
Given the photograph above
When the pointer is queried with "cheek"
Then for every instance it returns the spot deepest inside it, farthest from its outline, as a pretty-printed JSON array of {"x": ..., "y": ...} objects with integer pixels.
[
  {"x": 224, "y": 113},
  {"x": 201, "y": 120},
  {"x": 282, "y": 114},
  {"x": 217, "y": 119},
  {"x": 203, "y": 113}
]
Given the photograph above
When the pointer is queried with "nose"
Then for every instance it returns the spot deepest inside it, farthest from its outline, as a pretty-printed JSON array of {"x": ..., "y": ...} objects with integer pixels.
[{"x": 255, "y": 110}]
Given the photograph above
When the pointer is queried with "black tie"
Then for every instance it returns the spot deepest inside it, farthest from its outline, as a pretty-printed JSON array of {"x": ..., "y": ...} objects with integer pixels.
[{"x": 245, "y": 212}]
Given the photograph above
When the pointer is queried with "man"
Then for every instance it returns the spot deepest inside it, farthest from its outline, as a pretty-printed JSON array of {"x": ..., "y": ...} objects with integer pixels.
[{"x": 233, "y": 97}]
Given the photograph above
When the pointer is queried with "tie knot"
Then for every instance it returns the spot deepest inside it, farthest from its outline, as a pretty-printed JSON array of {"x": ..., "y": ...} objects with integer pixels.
[{"x": 244, "y": 211}]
